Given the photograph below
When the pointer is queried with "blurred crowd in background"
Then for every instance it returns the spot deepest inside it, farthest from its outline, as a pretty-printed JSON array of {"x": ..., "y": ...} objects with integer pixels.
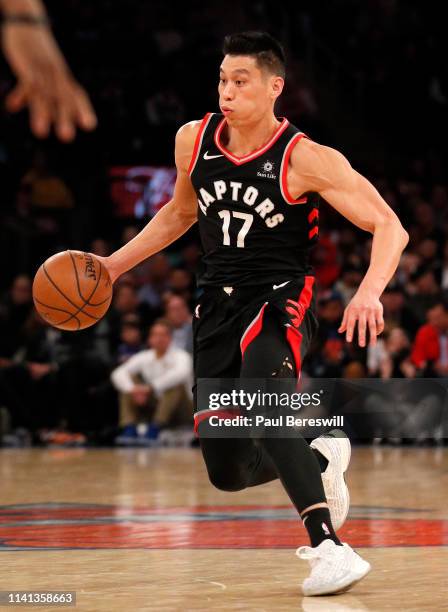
[{"x": 368, "y": 79}]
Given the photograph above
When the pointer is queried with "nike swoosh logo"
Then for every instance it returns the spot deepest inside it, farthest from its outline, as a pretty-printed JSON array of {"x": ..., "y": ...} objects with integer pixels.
[
  {"x": 207, "y": 156},
  {"x": 282, "y": 285}
]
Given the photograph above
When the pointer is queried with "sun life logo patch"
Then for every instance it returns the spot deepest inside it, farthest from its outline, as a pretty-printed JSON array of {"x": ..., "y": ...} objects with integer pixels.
[{"x": 267, "y": 170}]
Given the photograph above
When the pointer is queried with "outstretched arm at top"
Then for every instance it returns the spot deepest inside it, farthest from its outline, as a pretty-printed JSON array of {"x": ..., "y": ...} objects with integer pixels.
[
  {"x": 45, "y": 83},
  {"x": 172, "y": 221},
  {"x": 314, "y": 167}
]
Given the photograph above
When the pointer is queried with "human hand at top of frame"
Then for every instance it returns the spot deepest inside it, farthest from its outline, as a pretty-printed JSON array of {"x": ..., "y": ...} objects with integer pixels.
[{"x": 45, "y": 84}]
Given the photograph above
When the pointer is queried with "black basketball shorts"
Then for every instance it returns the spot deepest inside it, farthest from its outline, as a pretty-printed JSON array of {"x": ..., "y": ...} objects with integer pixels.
[{"x": 253, "y": 332}]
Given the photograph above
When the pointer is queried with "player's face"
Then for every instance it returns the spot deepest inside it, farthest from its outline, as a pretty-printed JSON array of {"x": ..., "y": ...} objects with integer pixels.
[{"x": 246, "y": 92}]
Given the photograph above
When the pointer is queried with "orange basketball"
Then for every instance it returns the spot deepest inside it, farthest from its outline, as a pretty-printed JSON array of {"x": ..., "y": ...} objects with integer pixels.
[{"x": 72, "y": 290}]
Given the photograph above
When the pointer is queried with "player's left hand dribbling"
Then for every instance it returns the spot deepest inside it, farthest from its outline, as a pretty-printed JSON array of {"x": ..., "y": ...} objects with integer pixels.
[{"x": 366, "y": 310}]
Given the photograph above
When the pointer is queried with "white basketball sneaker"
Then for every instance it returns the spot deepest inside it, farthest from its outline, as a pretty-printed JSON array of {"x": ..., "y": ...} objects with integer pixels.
[
  {"x": 336, "y": 448},
  {"x": 334, "y": 569}
]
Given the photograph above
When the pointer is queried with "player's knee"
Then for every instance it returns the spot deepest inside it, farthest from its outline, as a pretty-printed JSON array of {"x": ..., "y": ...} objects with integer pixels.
[{"x": 226, "y": 479}]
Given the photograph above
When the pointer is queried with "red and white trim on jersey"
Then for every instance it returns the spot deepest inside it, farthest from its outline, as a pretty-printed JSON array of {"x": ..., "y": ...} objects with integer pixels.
[
  {"x": 198, "y": 142},
  {"x": 252, "y": 331},
  {"x": 293, "y": 335},
  {"x": 284, "y": 171},
  {"x": 314, "y": 214},
  {"x": 242, "y": 160},
  {"x": 294, "y": 339}
]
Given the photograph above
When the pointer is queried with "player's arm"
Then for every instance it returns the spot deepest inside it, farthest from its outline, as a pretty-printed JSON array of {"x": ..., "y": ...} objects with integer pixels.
[
  {"x": 314, "y": 167},
  {"x": 44, "y": 82},
  {"x": 172, "y": 221}
]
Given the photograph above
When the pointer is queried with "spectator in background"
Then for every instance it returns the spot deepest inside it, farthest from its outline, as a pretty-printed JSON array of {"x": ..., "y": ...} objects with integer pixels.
[
  {"x": 427, "y": 250},
  {"x": 409, "y": 263},
  {"x": 391, "y": 357},
  {"x": 397, "y": 311},
  {"x": 180, "y": 283},
  {"x": 191, "y": 256},
  {"x": 396, "y": 362},
  {"x": 129, "y": 232},
  {"x": 327, "y": 354},
  {"x": 354, "y": 369},
  {"x": 47, "y": 199},
  {"x": 351, "y": 276},
  {"x": 32, "y": 382},
  {"x": 100, "y": 247},
  {"x": 348, "y": 242},
  {"x": 424, "y": 292},
  {"x": 46, "y": 190},
  {"x": 130, "y": 338},
  {"x": 156, "y": 283},
  {"x": 15, "y": 309},
  {"x": 430, "y": 348},
  {"x": 125, "y": 303},
  {"x": 179, "y": 316},
  {"x": 444, "y": 269},
  {"x": 154, "y": 387},
  {"x": 425, "y": 225},
  {"x": 165, "y": 108},
  {"x": 325, "y": 262},
  {"x": 331, "y": 310}
]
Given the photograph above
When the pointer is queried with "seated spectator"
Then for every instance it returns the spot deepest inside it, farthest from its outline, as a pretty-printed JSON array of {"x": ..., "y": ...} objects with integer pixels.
[
  {"x": 130, "y": 338},
  {"x": 179, "y": 316},
  {"x": 430, "y": 349},
  {"x": 154, "y": 386}
]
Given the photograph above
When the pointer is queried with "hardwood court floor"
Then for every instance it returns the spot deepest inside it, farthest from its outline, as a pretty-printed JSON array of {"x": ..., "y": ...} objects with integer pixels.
[{"x": 133, "y": 530}]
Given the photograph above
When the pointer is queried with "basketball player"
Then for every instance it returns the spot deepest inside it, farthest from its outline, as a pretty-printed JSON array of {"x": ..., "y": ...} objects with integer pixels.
[
  {"x": 252, "y": 181},
  {"x": 44, "y": 82}
]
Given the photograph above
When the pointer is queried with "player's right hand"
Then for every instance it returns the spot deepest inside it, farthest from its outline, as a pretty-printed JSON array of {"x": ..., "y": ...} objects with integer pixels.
[
  {"x": 106, "y": 261},
  {"x": 44, "y": 83}
]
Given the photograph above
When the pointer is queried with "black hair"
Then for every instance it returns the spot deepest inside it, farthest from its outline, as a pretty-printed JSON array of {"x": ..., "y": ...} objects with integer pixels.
[
  {"x": 165, "y": 323},
  {"x": 442, "y": 301},
  {"x": 262, "y": 46}
]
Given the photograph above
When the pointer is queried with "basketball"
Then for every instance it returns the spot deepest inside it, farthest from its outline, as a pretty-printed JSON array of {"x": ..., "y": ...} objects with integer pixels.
[{"x": 72, "y": 290}]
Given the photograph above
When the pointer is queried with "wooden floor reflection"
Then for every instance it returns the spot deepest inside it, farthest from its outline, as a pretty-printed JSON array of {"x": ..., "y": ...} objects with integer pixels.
[{"x": 144, "y": 530}]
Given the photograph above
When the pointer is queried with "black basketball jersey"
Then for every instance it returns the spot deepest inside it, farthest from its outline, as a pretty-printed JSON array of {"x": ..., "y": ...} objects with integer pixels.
[{"x": 252, "y": 231}]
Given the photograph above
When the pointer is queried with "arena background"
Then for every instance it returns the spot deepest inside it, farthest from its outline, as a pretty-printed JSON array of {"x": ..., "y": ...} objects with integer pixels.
[{"x": 366, "y": 78}]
